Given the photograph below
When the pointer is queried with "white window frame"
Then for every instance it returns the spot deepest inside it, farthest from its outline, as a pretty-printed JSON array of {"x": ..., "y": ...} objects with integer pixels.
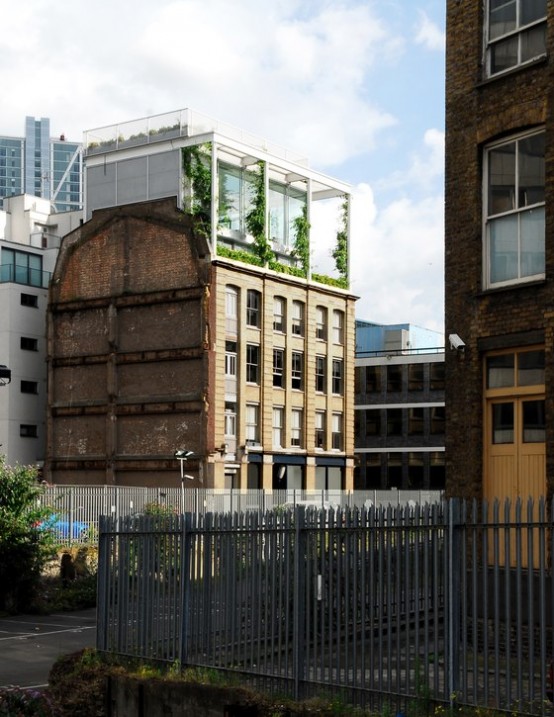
[
  {"x": 278, "y": 426},
  {"x": 297, "y": 318},
  {"x": 517, "y": 212},
  {"x": 320, "y": 377},
  {"x": 250, "y": 365},
  {"x": 518, "y": 33},
  {"x": 337, "y": 432},
  {"x": 338, "y": 326},
  {"x": 296, "y": 433},
  {"x": 279, "y": 305},
  {"x": 321, "y": 323},
  {"x": 337, "y": 377},
  {"x": 231, "y": 309},
  {"x": 253, "y": 308},
  {"x": 297, "y": 370},
  {"x": 320, "y": 430},
  {"x": 252, "y": 424},
  {"x": 279, "y": 371}
]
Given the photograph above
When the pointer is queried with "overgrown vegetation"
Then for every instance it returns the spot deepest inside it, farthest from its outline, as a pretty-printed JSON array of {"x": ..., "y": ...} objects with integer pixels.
[
  {"x": 302, "y": 239},
  {"x": 197, "y": 169},
  {"x": 340, "y": 252},
  {"x": 24, "y": 548},
  {"x": 256, "y": 217},
  {"x": 77, "y": 685}
]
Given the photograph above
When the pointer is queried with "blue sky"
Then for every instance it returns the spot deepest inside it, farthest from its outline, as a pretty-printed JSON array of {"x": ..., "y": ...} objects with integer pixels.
[{"x": 357, "y": 85}]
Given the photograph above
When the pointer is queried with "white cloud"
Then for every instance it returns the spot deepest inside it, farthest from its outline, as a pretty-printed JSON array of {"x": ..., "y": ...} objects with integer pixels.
[
  {"x": 426, "y": 166},
  {"x": 429, "y": 34}
]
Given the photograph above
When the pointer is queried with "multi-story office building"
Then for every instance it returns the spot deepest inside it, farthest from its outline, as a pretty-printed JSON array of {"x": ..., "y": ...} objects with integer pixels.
[
  {"x": 205, "y": 329},
  {"x": 46, "y": 167},
  {"x": 499, "y": 266},
  {"x": 30, "y": 236},
  {"x": 399, "y": 407}
]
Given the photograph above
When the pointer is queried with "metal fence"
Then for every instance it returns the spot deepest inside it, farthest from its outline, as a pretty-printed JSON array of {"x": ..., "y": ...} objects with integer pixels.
[
  {"x": 388, "y": 606},
  {"x": 77, "y": 508}
]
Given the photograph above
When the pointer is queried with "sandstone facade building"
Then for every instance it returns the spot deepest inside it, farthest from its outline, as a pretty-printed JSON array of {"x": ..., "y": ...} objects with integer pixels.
[
  {"x": 178, "y": 323},
  {"x": 499, "y": 261}
]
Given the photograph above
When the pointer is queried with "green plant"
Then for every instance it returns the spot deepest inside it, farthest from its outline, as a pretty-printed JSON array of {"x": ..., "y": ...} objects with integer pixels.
[
  {"x": 24, "y": 547},
  {"x": 238, "y": 255},
  {"x": 256, "y": 217},
  {"x": 340, "y": 252},
  {"x": 302, "y": 239},
  {"x": 198, "y": 172}
]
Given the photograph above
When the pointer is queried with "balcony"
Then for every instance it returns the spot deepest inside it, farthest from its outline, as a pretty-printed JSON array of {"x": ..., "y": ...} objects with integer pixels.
[{"x": 13, "y": 274}]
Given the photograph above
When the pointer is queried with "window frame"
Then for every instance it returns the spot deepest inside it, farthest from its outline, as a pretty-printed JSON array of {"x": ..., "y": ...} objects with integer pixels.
[
  {"x": 320, "y": 374},
  {"x": 253, "y": 308},
  {"x": 518, "y": 212},
  {"x": 279, "y": 370},
  {"x": 518, "y": 32},
  {"x": 297, "y": 370},
  {"x": 297, "y": 318},
  {"x": 296, "y": 428},
  {"x": 338, "y": 327},
  {"x": 252, "y": 424},
  {"x": 321, "y": 323},
  {"x": 320, "y": 420},
  {"x": 337, "y": 377},
  {"x": 279, "y": 316},
  {"x": 253, "y": 366}
]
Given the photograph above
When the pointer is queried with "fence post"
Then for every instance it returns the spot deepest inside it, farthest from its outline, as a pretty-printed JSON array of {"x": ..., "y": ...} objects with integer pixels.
[
  {"x": 186, "y": 544},
  {"x": 299, "y": 595},
  {"x": 453, "y": 601}
]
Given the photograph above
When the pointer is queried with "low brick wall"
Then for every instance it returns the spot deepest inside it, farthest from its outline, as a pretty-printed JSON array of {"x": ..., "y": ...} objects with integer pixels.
[{"x": 131, "y": 697}]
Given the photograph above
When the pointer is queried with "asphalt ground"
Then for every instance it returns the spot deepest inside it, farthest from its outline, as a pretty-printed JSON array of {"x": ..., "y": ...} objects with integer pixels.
[{"x": 30, "y": 644}]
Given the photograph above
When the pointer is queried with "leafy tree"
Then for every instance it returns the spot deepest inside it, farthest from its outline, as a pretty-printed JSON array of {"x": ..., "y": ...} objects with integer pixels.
[
  {"x": 340, "y": 252},
  {"x": 24, "y": 547},
  {"x": 302, "y": 239}
]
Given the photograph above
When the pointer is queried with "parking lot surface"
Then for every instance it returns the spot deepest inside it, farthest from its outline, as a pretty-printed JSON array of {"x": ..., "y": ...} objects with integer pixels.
[{"x": 30, "y": 644}]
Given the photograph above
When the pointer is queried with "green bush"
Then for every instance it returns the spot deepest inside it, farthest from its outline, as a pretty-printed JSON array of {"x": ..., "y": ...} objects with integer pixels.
[{"x": 24, "y": 547}]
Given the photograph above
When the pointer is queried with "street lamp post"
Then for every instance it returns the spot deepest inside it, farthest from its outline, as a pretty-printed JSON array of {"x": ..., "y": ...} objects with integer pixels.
[{"x": 182, "y": 455}]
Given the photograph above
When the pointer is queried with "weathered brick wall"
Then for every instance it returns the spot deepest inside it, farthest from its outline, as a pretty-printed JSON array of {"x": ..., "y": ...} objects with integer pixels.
[
  {"x": 479, "y": 110},
  {"x": 127, "y": 361}
]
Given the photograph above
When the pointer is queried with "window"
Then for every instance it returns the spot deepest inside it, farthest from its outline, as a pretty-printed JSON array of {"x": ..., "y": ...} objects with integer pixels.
[
  {"x": 29, "y": 300},
  {"x": 252, "y": 424},
  {"x": 253, "y": 308},
  {"x": 321, "y": 323},
  {"x": 320, "y": 373},
  {"x": 252, "y": 363},
  {"x": 394, "y": 422},
  {"x": 373, "y": 379},
  {"x": 514, "y": 229},
  {"x": 436, "y": 376},
  {"x": 416, "y": 421},
  {"x": 394, "y": 378},
  {"x": 278, "y": 426},
  {"x": 337, "y": 432},
  {"x": 320, "y": 429},
  {"x": 337, "y": 376},
  {"x": 297, "y": 369},
  {"x": 230, "y": 419},
  {"x": 415, "y": 377},
  {"x": 231, "y": 358},
  {"x": 437, "y": 420},
  {"x": 279, "y": 314},
  {"x": 21, "y": 267},
  {"x": 28, "y": 344},
  {"x": 231, "y": 309},
  {"x": 29, "y": 387},
  {"x": 298, "y": 318},
  {"x": 28, "y": 431},
  {"x": 296, "y": 427},
  {"x": 373, "y": 422},
  {"x": 525, "y": 368},
  {"x": 278, "y": 367},
  {"x": 338, "y": 327},
  {"x": 516, "y": 33}
]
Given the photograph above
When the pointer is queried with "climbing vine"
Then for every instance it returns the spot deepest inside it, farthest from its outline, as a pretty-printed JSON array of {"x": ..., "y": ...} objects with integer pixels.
[
  {"x": 340, "y": 252},
  {"x": 255, "y": 219},
  {"x": 198, "y": 172},
  {"x": 302, "y": 239}
]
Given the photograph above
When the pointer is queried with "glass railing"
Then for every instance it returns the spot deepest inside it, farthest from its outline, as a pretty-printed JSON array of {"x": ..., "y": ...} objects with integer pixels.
[{"x": 24, "y": 275}]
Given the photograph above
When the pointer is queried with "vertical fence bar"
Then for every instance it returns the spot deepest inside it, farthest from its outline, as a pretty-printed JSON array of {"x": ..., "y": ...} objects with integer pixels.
[
  {"x": 452, "y": 599},
  {"x": 184, "y": 593},
  {"x": 298, "y": 600}
]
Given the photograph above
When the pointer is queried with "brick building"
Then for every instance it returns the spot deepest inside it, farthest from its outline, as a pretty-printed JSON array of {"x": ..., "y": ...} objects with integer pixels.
[
  {"x": 166, "y": 330},
  {"x": 499, "y": 269}
]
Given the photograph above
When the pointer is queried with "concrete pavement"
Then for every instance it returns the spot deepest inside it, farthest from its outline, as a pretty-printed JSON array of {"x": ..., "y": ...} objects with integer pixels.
[{"x": 30, "y": 644}]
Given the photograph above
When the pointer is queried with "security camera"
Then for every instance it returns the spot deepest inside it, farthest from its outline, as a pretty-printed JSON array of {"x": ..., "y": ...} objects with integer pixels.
[
  {"x": 456, "y": 342},
  {"x": 183, "y": 453}
]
